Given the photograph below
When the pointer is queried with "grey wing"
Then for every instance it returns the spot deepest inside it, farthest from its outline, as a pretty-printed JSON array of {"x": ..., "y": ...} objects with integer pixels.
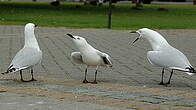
[
  {"x": 168, "y": 59},
  {"x": 106, "y": 59},
  {"x": 76, "y": 57},
  {"x": 25, "y": 58}
]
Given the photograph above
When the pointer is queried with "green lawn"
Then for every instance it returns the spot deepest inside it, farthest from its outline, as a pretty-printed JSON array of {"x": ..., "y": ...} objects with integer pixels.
[{"x": 77, "y": 15}]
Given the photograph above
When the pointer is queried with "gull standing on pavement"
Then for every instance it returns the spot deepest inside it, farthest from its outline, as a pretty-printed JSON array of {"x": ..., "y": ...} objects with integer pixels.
[
  {"x": 164, "y": 55},
  {"x": 28, "y": 56},
  {"x": 89, "y": 56}
]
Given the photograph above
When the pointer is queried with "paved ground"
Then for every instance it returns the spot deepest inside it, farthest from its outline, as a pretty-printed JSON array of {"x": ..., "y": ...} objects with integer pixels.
[{"x": 130, "y": 83}]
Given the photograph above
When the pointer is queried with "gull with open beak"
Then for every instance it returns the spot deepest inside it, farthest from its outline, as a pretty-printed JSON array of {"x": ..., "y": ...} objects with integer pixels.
[
  {"x": 89, "y": 56},
  {"x": 163, "y": 54}
]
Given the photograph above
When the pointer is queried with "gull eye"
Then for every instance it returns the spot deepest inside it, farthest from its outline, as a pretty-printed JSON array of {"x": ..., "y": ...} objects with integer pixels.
[{"x": 78, "y": 38}]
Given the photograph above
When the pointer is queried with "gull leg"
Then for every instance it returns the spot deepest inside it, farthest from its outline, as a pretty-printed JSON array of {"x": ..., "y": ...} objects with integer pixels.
[
  {"x": 85, "y": 80},
  {"x": 170, "y": 77},
  {"x": 21, "y": 78},
  {"x": 162, "y": 83},
  {"x": 95, "y": 81},
  {"x": 32, "y": 78}
]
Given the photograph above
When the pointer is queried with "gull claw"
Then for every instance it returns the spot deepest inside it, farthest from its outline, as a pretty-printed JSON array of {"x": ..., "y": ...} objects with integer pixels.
[
  {"x": 161, "y": 83},
  {"x": 85, "y": 81},
  {"x": 94, "y": 82}
]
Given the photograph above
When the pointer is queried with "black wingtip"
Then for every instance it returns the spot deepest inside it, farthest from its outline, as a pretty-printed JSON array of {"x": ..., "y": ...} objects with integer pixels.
[
  {"x": 191, "y": 69},
  {"x": 4, "y": 73}
]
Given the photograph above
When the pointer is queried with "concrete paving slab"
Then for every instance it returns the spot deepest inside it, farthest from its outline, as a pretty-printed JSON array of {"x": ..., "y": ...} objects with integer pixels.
[{"x": 12, "y": 101}]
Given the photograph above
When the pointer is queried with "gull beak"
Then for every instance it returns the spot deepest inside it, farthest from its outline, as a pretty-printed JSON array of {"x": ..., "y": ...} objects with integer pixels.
[
  {"x": 71, "y": 36},
  {"x": 133, "y": 32},
  {"x": 136, "y": 38}
]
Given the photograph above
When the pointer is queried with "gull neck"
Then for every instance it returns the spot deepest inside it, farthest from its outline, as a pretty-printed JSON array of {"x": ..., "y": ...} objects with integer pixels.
[
  {"x": 30, "y": 40},
  {"x": 156, "y": 40}
]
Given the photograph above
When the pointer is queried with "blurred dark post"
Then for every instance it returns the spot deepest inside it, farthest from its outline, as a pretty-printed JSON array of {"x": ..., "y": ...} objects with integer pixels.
[
  {"x": 138, "y": 3},
  {"x": 194, "y": 2},
  {"x": 55, "y": 3},
  {"x": 109, "y": 14}
]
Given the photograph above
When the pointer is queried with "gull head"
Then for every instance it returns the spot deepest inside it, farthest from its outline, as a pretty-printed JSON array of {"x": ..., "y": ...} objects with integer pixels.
[
  {"x": 30, "y": 26},
  {"x": 148, "y": 34},
  {"x": 155, "y": 39},
  {"x": 79, "y": 41},
  {"x": 144, "y": 32}
]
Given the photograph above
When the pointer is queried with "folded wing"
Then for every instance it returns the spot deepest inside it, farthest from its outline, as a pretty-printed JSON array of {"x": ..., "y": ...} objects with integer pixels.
[
  {"x": 173, "y": 60},
  {"x": 25, "y": 58},
  {"x": 76, "y": 57}
]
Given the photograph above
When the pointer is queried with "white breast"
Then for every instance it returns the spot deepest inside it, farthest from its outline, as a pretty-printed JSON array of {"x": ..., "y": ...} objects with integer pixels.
[{"x": 91, "y": 58}]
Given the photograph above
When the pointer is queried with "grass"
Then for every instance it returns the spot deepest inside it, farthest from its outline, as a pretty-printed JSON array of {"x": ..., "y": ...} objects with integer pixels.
[{"x": 77, "y": 15}]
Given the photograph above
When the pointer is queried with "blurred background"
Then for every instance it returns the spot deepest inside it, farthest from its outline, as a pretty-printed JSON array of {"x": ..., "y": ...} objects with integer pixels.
[{"x": 115, "y": 14}]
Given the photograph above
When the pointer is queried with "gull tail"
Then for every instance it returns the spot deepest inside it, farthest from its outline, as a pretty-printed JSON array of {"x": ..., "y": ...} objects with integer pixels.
[
  {"x": 191, "y": 70},
  {"x": 188, "y": 70},
  {"x": 10, "y": 70},
  {"x": 189, "y": 73}
]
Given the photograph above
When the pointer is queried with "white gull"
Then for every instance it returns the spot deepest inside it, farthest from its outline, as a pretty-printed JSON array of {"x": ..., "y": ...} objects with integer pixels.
[
  {"x": 28, "y": 56},
  {"x": 163, "y": 54},
  {"x": 89, "y": 56}
]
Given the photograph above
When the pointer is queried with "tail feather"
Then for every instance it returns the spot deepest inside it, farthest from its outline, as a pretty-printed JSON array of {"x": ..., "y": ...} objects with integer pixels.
[
  {"x": 191, "y": 70},
  {"x": 189, "y": 73},
  {"x": 9, "y": 70}
]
